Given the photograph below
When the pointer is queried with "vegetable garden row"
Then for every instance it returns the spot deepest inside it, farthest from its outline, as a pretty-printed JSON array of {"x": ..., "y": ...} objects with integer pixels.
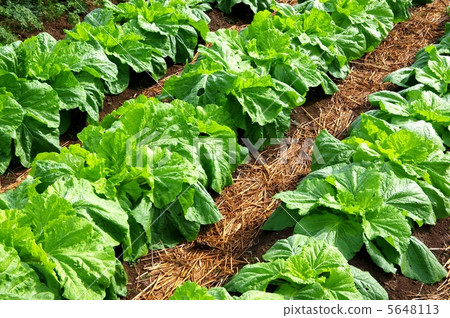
[
  {"x": 370, "y": 189},
  {"x": 140, "y": 180}
]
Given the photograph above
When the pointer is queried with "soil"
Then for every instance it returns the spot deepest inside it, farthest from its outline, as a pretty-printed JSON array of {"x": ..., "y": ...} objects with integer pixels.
[
  {"x": 55, "y": 27},
  {"x": 223, "y": 248},
  {"x": 220, "y": 20}
]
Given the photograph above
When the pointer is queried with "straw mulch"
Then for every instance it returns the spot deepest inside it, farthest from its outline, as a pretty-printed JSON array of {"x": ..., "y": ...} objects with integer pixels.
[{"x": 219, "y": 250}]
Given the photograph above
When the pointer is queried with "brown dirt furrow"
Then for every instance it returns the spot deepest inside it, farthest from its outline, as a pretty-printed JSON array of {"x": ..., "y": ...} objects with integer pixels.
[
  {"x": 54, "y": 27},
  {"x": 222, "y": 248}
]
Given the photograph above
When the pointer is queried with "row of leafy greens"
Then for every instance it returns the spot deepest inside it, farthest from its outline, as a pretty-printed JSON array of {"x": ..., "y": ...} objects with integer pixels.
[
  {"x": 51, "y": 248},
  {"x": 260, "y": 73},
  {"x": 140, "y": 34},
  {"x": 39, "y": 78},
  {"x": 139, "y": 181},
  {"x": 296, "y": 268},
  {"x": 157, "y": 160},
  {"x": 390, "y": 174}
]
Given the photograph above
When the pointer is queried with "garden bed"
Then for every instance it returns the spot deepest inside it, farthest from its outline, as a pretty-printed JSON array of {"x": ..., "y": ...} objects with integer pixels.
[{"x": 221, "y": 249}]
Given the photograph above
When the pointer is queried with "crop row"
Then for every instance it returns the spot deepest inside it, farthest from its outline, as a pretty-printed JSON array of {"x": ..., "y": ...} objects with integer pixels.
[
  {"x": 370, "y": 189},
  {"x": 300, "y": 268},
  {"x": 390, "y": 174},
  {"x": 261, "y": 73},
  {"x": 140, "y": 179}
]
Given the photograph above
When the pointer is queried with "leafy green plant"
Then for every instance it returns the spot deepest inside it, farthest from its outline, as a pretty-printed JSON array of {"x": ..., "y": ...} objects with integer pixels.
[
  {"x": 317, "y": 34},
  {"x": 431, "y": 69},
  {"x": 45, "y": 240},
  {"x": 416, "y": 153},
  {"x": 400, "y": 8},
  {"x": 266, "y": 69},
  {"x": 299, "y": 268},
  {"x": 353, "y": 205},
  {"x": 157, "y": 160},
  {"x": 410, "y": 108},
  {"x": 140, "y": 34},
  {"x": 39, "y": 78},
  {"x": 373, "y": 19}
]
